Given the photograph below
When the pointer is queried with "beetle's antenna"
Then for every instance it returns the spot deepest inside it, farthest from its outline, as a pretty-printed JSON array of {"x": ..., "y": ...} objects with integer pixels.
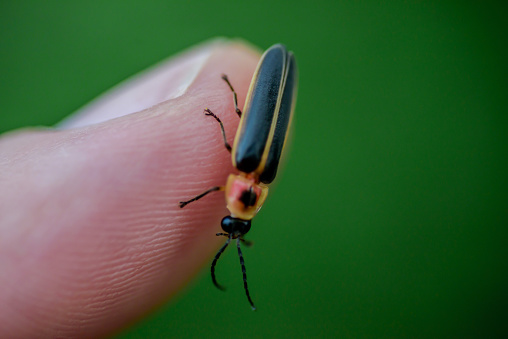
[
  {"x": 244, "y": 271},
  {"x": 217, "y": 256}
]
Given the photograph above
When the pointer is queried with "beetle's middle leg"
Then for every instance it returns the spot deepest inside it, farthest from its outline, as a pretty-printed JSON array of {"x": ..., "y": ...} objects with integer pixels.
[
  {"x": 226, "y": 143},
  {"x": 237, "y": 110}
]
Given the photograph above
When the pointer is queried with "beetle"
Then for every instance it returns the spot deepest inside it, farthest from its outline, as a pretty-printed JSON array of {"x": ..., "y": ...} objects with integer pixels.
[{"x": 257, "y": 148}]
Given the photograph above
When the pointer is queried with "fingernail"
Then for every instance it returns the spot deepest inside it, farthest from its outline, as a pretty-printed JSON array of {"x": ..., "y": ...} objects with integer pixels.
[{"x": 165, "y": 81}]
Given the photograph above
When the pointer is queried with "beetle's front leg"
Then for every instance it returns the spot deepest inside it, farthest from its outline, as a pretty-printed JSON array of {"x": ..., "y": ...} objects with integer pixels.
[{"x": 213, "y": 189}]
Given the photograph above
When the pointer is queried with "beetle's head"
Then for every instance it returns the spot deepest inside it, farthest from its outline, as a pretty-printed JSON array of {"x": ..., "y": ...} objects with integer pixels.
[{"x": 235, "y": 226}]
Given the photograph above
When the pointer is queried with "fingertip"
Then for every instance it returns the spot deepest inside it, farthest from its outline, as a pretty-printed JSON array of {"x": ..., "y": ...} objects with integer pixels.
[{"x": 102, "y": 218}]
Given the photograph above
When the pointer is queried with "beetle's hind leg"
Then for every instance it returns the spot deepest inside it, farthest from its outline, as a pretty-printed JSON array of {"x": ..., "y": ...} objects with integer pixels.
[
  {"x": 235, "y": 99},
  {"x": 237, "y": 110},
  {"x": 197, "y": 197}
]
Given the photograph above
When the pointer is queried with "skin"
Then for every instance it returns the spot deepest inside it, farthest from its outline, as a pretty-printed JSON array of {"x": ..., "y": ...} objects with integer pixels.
[{"x": 91, "y": 234}]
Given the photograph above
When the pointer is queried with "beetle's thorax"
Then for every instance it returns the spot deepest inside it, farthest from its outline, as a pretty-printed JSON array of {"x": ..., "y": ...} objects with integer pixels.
[{"x": 244, "y": 195}]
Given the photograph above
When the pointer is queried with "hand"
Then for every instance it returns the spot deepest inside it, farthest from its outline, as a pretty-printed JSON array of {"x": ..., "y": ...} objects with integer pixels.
[{"x": 91, "y": 234}]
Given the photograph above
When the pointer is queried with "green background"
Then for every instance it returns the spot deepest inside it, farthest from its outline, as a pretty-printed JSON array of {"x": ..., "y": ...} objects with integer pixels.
[{"x": 390, "y": 217}]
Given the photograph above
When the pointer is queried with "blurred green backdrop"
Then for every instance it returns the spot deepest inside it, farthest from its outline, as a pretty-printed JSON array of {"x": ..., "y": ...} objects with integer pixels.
[{"x": 391, "y": 216}]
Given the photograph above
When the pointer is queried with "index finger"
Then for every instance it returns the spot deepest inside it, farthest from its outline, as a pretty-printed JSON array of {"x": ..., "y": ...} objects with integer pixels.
[{"x": 92, "y": 236}]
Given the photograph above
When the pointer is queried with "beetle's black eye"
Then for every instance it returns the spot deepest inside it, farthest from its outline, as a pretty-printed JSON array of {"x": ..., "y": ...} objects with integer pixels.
[
  {"x": 248, "y": 197},
  {"x": 227, "y": 224}
]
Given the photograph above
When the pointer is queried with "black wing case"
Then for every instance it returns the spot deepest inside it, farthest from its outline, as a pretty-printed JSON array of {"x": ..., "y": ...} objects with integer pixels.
[{"x": 267, "y": 113}]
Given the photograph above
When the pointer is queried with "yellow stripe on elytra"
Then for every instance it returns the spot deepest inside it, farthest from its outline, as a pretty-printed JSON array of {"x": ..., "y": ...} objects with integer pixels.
[
  {"x": 269, "y": 140},
  {"x": 245, "y": 112}
]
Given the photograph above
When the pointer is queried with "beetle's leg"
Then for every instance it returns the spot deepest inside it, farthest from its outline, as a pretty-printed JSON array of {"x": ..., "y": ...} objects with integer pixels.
[
  {"x": 247, "y": 243},
  {"x": 213, "y": 189},
  {"x": 235, "y": 99},
  {"x": 226, "y": 143}
]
